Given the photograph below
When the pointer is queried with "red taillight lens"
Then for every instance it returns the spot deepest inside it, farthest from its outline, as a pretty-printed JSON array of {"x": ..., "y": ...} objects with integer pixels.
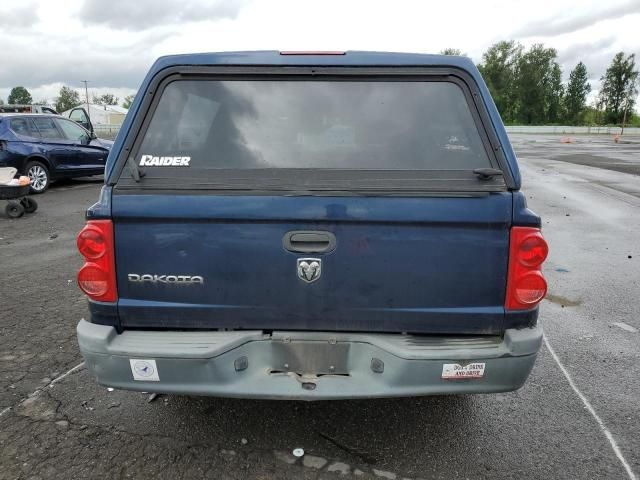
[
  {"x": 93, "y": 280},
  {"x": 91, "y": 242},
  {"x": 97, "y": 277},
  {"x": 526, "y": 285},
  {"x": 533, "y": 250},
  {"x": 530, "y": 288}
]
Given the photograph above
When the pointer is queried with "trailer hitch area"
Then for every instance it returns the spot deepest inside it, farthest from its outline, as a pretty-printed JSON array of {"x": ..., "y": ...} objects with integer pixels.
[
  {"x": 307, "y": 361},
  {"x": 307, "y": 380}
]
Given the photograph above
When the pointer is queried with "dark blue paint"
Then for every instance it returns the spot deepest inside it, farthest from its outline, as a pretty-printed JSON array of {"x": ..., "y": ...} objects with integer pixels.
[
  {"x": 423, "y": 265},
  {"x": 522, "y": 216},
  {"x": 487, "y": 210},
  {"x": 409, "y": 264}
]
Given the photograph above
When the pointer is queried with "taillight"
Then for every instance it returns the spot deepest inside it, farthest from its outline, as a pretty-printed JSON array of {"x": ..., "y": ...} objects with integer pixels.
[
  {"x": 526, "y": 285},
  {"x": 97, "y": 277},
  {"x": 92, "y": 243}
]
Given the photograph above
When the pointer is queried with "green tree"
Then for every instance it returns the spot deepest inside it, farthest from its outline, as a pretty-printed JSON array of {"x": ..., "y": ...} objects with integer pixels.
[
  {"x": 575, "y": 100},
  {"x": 539, "y": 87},
  {"x": 619, "y": 88},
  {"x": 68, "y": 98},
  {"x": 106, "y": 99},
  {"x": 452, "y": 51},
  {"x": 19, "y": 96},
  {"x": 590, "y": 115},
  {"x": 555, "y": 96},
  {"x": 499, "y": 69},
  {"x": 128, "y": 100}
]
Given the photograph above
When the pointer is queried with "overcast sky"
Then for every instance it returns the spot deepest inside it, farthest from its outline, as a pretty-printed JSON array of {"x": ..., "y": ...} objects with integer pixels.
[{"x": 48, "y": 43}]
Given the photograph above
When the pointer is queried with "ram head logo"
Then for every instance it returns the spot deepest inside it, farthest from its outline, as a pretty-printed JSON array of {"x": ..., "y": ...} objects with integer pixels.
[{"x": 309, "y": 269}]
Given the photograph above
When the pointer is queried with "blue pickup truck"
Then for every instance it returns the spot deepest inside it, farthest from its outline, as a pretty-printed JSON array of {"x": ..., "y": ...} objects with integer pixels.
[{"x": 312, "y": 225}]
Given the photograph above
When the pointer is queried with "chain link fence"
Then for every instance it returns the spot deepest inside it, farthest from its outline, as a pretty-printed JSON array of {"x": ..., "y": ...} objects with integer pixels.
[
  {"x": 108, "y": 132},
  {"x": 568, "y": 130}
]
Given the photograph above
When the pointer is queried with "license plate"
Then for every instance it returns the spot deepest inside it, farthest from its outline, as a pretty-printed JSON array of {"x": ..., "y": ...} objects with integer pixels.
[{"x": 311, "y": 357}]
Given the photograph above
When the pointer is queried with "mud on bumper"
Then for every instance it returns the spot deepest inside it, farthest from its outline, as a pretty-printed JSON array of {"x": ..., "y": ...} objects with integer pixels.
[{"x": 304, "y": 365}]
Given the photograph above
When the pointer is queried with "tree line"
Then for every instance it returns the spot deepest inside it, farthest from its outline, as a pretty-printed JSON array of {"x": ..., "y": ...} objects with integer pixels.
[
  {"x": 527, "y": 87},
  {"x": 67, "y": 99}
]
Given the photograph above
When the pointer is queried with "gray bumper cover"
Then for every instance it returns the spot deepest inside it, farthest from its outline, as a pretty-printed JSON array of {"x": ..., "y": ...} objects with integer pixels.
[{"x": 306, "y": 365}]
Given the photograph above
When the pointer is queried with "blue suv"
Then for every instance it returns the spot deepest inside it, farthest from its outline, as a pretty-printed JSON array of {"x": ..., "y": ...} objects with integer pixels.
[{"x": 48, "y": 147}]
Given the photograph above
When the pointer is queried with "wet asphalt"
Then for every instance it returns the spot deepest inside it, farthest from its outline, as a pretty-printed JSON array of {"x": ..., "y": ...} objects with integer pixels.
[{"x": 588, "y": 193}]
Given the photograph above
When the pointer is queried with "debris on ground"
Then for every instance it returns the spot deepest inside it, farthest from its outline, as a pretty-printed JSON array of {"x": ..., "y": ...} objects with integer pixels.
[
  {"x": 384, "y": 474},
  {"x": 311, "y": 461},
  {"x": 339, "y": 467},
  {"x": 285, "y": 457}
]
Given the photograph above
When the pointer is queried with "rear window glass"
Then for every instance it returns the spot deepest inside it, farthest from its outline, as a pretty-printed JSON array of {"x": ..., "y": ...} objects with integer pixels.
[
  {"x": 20, "y": 126},
  {"x": 72, "y": 130},
  {"x": 268, "y": 124},
  {"x": 47, "y": 128}
]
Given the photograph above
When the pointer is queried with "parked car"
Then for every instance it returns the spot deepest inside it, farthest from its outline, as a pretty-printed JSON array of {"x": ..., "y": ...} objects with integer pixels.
[
  {"x": 77, "y": 114},
  {"x": 49, "y": 147},
  {"x": 312, "y": 226},
  {"x": 19, "y": 108}
]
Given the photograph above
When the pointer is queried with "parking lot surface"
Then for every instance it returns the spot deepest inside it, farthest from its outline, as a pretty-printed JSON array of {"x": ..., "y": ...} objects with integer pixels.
[{"x": 577, "y": 416}]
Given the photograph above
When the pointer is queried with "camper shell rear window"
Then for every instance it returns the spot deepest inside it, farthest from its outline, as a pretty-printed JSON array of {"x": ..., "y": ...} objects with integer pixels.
[{"x": 306, "y": 134}]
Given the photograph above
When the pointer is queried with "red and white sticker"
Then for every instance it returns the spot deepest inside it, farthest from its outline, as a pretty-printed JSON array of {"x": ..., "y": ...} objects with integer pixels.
[{"x": 453, "y": 371}]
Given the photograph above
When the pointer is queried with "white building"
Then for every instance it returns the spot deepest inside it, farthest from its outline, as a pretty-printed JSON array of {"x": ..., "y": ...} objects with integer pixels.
[{"x": 103, "y": 114}]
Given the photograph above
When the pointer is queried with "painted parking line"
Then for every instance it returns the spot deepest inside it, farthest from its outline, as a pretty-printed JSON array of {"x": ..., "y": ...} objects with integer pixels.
[
  {"x": 625, "y": 326},
  {"x": 49, "y": 385},
  {"x": 591, "y": 410}
]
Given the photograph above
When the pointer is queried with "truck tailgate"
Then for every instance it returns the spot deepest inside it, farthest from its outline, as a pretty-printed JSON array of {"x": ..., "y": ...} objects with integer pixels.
[{"x": 421, "y": 265}]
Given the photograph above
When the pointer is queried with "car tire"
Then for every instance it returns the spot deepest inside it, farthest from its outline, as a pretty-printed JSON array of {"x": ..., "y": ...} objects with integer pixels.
[
  {"x": 14, "y": 210},
  {"x": 38, "y": 173},
  {"x": 29, "y": 204}
]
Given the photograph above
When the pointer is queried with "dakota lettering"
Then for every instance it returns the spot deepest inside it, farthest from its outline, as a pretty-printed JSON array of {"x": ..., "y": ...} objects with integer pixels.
[{"x": 166, "y": 279}]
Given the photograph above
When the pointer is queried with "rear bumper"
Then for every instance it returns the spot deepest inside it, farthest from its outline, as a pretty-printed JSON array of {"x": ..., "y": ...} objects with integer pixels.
[{"x": 251, "y": 364}]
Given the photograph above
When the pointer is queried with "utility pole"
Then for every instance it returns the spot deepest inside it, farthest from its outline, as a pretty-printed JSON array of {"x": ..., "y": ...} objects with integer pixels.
[
  {"x": 86, "y": 96},
  {"x": 627, "y": 104}
]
